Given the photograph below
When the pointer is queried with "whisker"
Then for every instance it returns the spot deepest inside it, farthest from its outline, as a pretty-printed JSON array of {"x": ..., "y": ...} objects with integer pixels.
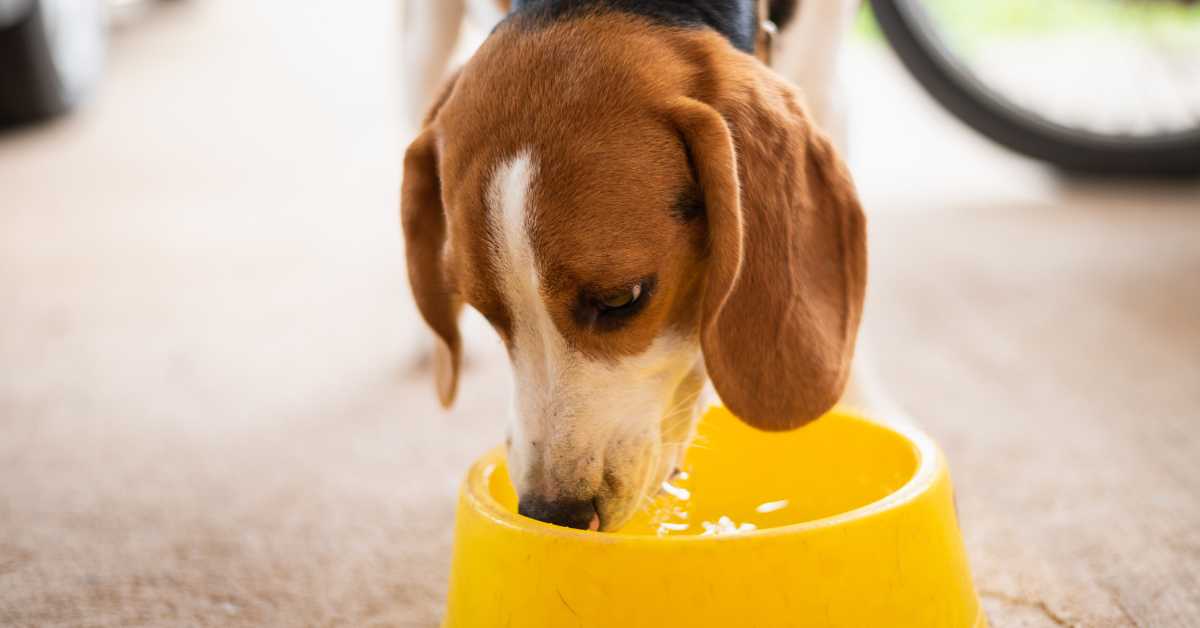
[
  {"x": 689, "y": 399},
  {"x": 646, "y": 502},
  {"x": 682, "y": 408},
  {"x": 699, "y": 441}
]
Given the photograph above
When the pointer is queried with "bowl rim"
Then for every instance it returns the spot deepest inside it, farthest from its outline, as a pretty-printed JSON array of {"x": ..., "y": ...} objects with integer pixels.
[{"x": 930, "y": 463}]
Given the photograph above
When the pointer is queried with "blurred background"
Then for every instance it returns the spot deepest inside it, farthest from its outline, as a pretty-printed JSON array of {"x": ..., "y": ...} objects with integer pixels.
[{"x": 214, "y": 405}]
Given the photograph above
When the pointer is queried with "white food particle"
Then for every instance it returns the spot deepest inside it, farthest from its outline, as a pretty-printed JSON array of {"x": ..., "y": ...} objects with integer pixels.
[
  {"x": 675, "y": 491},
  {"x": 771, "y": 506},
  {"x": 667, "y": 528},
  {"x": 725, "y": 525}
]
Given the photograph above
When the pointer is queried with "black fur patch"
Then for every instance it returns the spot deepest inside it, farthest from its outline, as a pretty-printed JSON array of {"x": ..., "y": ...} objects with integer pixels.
[
  {"x": 735, "y": 19},
  {"x": 782, "y": 12}
]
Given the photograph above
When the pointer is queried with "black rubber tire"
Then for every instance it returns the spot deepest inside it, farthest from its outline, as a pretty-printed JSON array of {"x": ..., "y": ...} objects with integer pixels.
[
  {"x": 31, "y": 87},
  {"x": 1077, "y": 151}
]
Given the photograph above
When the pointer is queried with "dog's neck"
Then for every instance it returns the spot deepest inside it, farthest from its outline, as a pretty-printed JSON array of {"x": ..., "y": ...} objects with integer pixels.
[{"x": 737, "y": 20}]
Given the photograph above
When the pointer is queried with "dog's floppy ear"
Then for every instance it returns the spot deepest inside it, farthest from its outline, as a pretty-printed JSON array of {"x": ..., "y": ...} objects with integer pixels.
[
  {"x": 786, "y": 270},
  {"x": 423, "y": 217}
]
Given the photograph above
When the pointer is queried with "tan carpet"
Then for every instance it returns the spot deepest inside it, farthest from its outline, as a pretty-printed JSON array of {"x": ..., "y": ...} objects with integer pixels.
[{"x": 210, "y": 414}]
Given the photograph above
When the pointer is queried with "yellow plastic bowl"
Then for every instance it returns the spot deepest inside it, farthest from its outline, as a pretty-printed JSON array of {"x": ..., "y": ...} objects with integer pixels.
[{"x": 855, "y": 521}]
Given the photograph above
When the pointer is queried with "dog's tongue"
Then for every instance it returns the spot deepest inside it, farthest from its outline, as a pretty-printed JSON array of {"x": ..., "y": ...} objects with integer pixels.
[{"x": 595, "y": 524}]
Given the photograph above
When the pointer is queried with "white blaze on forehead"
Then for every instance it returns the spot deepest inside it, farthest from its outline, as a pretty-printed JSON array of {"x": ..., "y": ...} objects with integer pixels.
[
  {"x": 572, "y": 415},
  {"x": 533, "y": 329},
  {"x": 507, "y": 198},
  {"x": 536, "y": 345}
]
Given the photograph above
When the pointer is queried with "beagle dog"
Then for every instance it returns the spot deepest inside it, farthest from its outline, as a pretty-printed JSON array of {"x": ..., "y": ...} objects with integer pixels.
[{"x": 638, "y": 205}]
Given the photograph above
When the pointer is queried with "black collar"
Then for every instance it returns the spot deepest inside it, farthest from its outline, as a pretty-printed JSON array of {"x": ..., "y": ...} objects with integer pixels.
[{"x": 735, "y": 19}]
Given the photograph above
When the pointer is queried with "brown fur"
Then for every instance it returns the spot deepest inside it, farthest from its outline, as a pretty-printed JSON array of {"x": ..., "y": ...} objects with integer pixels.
[{"x": 624, "y": 118}]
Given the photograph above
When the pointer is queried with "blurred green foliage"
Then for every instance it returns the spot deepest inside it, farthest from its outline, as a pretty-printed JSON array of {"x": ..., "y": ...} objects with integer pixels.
[{"x": 978, "y": 20}]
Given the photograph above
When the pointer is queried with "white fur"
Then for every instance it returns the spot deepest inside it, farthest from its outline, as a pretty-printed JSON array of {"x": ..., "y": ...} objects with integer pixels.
[
  {"x": 434, "y": 34},
  {"x": 581, "y": 427},
  {"x": 430, "y": 31},
  {"x": 808, "y": 53}
]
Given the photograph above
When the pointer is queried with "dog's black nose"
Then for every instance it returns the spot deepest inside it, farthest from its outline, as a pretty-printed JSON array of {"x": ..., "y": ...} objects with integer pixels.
[{"x": 570, "y": 513}]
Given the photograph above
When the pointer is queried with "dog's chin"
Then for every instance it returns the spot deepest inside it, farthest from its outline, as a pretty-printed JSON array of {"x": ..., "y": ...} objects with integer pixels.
[
  {"x": 626, "y": 493},
  {"x": 616, "y": 510},
  {"x": 615, "y": 517}
]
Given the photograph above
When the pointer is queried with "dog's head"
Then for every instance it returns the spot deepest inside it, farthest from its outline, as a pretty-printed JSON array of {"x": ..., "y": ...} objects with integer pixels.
[{"x": 633, "y": 208}]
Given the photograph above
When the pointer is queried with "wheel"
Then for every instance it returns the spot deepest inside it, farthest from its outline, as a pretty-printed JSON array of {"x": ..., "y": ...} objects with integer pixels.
[
  {"x": 1112, "y": 125},
  {"x": 51, "y": 55}
]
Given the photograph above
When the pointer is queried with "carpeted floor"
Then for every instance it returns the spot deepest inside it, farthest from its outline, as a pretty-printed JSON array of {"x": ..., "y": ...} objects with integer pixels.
[{"x": 211, "y": 413}]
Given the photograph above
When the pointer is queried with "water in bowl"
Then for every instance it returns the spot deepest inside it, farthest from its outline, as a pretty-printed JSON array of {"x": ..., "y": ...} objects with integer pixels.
[{"x": 737, "y": 479}]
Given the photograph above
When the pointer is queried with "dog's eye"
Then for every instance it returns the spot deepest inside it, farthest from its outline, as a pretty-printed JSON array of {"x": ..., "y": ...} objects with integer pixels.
[
  {"x": 610, "y": 310},
  {"x": 619, "y": 299}
]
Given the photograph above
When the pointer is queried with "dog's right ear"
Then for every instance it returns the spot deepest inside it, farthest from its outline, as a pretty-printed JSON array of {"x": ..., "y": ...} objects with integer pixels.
[
  {"x": 786, "y": 252},
  {"x": 423, "y": 216}
]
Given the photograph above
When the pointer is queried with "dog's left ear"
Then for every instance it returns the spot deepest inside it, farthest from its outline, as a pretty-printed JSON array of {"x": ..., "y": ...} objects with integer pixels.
[
  {"x": 423, "y": 217},
  {"x": 786, "y": 268}
]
